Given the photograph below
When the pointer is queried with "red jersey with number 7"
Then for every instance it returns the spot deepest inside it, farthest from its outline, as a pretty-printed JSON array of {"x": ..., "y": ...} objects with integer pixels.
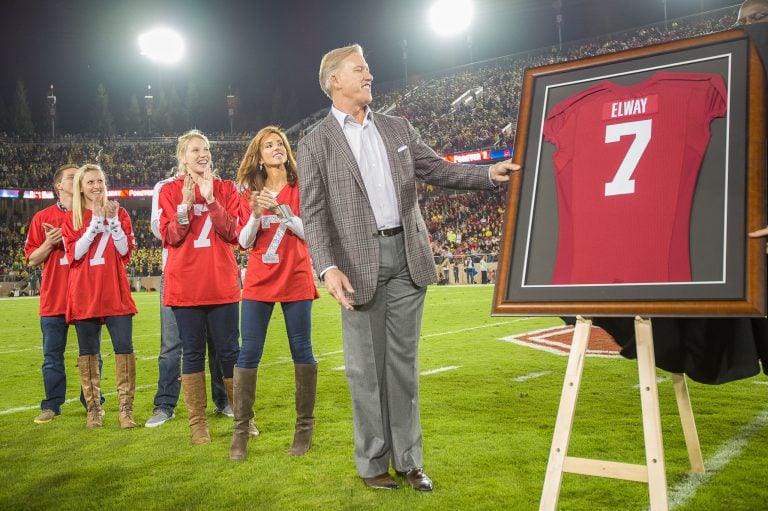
[
  {"x": 98, "y": 283},
  {"x": 200, "y": 268},
  {"x": 279, "y": 267},
  {"x": 53, "y": 287},
  {"x": 626, "y": 163}
]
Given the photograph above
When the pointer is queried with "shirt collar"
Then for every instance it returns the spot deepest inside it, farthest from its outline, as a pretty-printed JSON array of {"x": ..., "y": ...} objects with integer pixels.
[{"x": 342, "y": 118}]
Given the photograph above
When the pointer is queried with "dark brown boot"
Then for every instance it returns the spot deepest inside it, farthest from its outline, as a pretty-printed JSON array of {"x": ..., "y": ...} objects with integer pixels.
[
  {"x": 244, "y": 395},
  {"x": 125, "y": 365},
  {"x": 306, "y": 389},
  {"x": 196, "y": 400}
]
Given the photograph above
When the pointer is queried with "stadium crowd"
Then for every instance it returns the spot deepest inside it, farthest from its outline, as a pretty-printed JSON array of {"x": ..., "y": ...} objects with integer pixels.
[{"x": 470, "y": 108}]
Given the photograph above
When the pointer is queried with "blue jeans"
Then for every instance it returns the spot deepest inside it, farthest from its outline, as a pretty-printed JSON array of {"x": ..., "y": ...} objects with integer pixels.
[
  {"x": 255, "y": 319},
  {"x": 195, "y": 324},
  {"x": 55, "y": 331},
  {"x": 169, "y": 364},
  {"x": 120, "y": 331}
]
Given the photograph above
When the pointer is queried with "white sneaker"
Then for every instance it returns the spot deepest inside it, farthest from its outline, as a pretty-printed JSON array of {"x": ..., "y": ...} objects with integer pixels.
[
  {"x": 227, "y": 410},
  {"x": 159, "y": 417}
]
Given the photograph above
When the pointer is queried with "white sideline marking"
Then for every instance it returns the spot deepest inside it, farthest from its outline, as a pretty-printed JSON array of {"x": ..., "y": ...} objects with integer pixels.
[
  {"x": 476, "y": 327},
  {"x": 760, "y": 382},
  {"x": 686, "y": 489},
  {"x": 288, "y": 360},
  {"x": 67, "y": 401},
  {"x": 425, "y": 373},
  {"x": 282, "y": 360},
  {"x": 439, "y": 370},
  {"x": 530, "y": 376},
  {"x": 38, "y": 348}
]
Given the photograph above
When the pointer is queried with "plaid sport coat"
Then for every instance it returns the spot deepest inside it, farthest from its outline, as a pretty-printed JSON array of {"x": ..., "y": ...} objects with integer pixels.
[{"x": 338, "y": 220}]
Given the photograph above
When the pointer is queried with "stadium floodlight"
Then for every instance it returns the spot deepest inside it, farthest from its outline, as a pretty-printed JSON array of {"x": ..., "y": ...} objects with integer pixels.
[
  {"x": 162, "y": 45},
  {"x": 449, "y": 17}
]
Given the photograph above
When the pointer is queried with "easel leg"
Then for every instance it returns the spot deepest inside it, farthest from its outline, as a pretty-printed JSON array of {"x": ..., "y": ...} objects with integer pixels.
[
  {"x": 649, "y": 398},
  {"x": 565, "y": 414},
  {"x": 688, "y": 422}
]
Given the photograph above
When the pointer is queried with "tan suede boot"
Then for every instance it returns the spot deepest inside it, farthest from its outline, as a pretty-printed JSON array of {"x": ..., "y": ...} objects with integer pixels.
[
  {"x": 306, "y": 389},
  {"x": 90, "y": 381},
  {"x": 242, "y": 405},
  {"x": 125, "y": 365},
  {"x": 196, "y": 400}
]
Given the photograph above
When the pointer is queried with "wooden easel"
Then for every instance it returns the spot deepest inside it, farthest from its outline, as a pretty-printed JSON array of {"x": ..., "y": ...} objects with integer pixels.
[{"x": 654, "y": 471}]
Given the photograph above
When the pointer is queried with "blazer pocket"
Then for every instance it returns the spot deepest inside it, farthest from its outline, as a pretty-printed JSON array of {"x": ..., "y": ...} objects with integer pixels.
[{"x": 402, "y": 148}]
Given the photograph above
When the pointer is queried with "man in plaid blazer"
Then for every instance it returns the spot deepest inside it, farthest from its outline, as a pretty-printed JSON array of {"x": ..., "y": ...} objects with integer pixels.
[{"x": 369, "y": 244}]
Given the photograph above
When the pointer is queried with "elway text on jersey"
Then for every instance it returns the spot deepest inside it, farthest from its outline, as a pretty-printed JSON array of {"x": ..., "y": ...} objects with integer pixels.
[{"x": 630, "y": 107}]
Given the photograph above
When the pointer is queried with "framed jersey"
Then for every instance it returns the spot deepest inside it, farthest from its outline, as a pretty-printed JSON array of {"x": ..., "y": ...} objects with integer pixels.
[{"x": 643, "y": 172}]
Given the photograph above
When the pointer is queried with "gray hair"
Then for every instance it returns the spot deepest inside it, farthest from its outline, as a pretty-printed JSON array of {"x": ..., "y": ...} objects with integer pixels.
[{"x": 331, "y": 62}]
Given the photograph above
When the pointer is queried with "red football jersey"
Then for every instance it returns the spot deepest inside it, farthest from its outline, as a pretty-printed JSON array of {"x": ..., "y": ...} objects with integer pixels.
[
  {"x": 279, "y": 268},
  {"x": 626, "y": 163},
  {"x": 98, "y": 283},
  {"x": 53, "y": 288},
  {"x": 200, "y": 268}
]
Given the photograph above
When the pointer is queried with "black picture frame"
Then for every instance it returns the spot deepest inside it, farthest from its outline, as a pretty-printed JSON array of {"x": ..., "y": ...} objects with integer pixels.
[{"x": 728, "y": 269}]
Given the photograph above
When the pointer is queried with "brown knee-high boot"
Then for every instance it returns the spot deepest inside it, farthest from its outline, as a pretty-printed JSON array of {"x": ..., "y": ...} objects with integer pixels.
[
  {"x": 244, "y": 390},
  {"x": 196, "y": 400},
  {"x": 90, "y": 381},
  {"x": 306, "y": 389},
  {"x": 125, "y": 366}
]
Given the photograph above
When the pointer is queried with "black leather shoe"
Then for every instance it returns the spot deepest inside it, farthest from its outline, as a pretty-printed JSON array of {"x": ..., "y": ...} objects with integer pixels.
[
  {"x": 417, "y": 479},
  {"x": 381, "y": 482}
]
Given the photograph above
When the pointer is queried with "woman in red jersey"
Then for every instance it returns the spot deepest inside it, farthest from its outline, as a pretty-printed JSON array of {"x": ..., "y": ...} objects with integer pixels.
[
  {"x": 99, "y": 242},
  {"x": 198, "y": 225},
  {"x": 279, "y": 270}
]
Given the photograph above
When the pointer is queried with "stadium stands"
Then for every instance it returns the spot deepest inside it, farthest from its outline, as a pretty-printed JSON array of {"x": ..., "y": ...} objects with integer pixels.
[{"x": 472, "y": 107}]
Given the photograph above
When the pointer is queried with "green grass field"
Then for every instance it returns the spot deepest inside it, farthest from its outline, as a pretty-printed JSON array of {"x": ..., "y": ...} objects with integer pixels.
[{"x": 486, "y": 436}]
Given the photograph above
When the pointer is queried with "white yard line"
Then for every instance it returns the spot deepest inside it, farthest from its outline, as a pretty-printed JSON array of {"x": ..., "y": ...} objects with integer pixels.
[
  {"x": 39, "y": 348},
  {"x": 477, "y": 327},
  {"x": 67, "y": 401},
  {"x": 439, "y": 370},
  {"x": 686, "y": 489},
  {"x": 530, "y": 376},
  {"x": 286, "y": 360}
]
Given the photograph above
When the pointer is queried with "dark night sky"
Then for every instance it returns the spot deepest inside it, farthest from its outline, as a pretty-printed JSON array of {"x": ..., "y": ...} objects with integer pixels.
[{"x": 257, "y": 47}]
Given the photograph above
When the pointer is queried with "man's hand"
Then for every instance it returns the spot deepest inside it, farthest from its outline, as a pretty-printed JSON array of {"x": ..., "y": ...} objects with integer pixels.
[
  {"x": 337, "y": 283},
  {"x": 500, "y": 172},
  {"x": 52, "y": 234},
  {"x": 760, "y": 233}
]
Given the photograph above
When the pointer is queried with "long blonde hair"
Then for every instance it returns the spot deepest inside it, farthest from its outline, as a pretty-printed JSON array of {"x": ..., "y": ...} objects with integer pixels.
[
  {"x": 251, "y": 174},
  {"x": 78, "y": 199},
  {"x": 181, "y": 148}
]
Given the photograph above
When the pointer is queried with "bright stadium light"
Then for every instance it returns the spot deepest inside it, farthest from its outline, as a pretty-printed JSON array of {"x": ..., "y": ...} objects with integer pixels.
[
  {"x": 449, "y": 17},
  {"x": 162, "y": 45}
]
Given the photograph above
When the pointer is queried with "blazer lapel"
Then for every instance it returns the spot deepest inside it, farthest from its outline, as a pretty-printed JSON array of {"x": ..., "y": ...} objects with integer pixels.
[{"x": 341, "y": 147}]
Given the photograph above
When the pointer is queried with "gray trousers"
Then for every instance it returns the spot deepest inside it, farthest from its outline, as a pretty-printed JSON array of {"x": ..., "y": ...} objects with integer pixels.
[{"x": 381, "y": 346}]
